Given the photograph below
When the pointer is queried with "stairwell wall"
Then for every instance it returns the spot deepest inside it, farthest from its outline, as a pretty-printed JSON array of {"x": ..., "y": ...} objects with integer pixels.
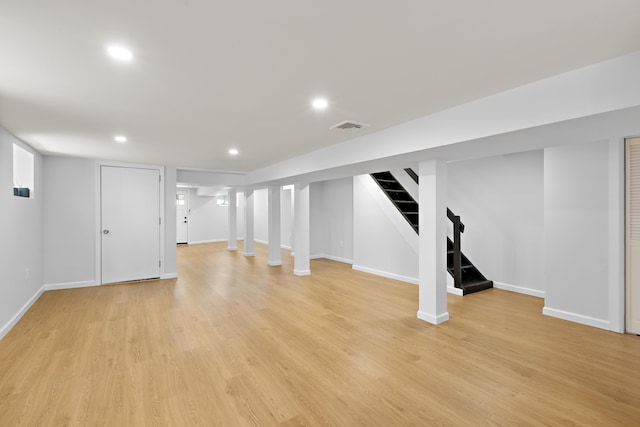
[
  {"x": 500, "y": 200},
  {"x": 383, "y": 241}
]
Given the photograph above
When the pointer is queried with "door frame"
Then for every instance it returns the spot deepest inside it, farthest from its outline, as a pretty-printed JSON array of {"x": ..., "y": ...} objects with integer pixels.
[
  {"x": 98, "y": 209},
  {"x": 188, "y": 204}
]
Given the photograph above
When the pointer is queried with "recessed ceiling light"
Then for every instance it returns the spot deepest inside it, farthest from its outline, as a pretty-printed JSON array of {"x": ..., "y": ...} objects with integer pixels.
[
  {"x": 320, "y": 103},
  {"x": 120, "y": 53},
  {"x": 233, "y": 151},
  {"x": 120, "y": 138}
]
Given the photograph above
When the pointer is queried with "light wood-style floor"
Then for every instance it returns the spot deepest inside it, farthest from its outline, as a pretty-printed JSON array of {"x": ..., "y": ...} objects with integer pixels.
[{"x": 233, "y": 342}]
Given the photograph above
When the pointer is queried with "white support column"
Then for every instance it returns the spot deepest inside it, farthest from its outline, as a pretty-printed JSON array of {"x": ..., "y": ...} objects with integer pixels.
[
  {"x": 248, "y": 223},
  {"x": 233, "y": 220},
  {"x": 433, "y": 242},
  {"x": 301, "y": 264},
  {"x": 275, "y": 253}
]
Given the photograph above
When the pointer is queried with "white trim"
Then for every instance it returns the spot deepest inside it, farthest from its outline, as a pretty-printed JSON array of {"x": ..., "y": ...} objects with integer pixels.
[
  {"x": 394, "y": 276},
  {"x": 616, "y": 234},
  {"x": 274, "y": 263},
  {"x": 455, "y": 291},
  {"x": 14, "y": 320},
  {"x": 69, "y": 285},
  {"x": 229, "y": 248},
  {"x": 98, "y": 201},
  {"x": 518, "y": 289},
  {"x": 249, "y": 253},
  {"x": 332, "y": 258},
  {"x": 264, "y": 242},
  {"x": 338, "y": 259},
  {"x": 435, "y": 320},
  {"x": 199, "y": 242},
  {"x": 578, "y": 318},
  {"x": 302, "y": 272},
  {"x": 285, "y": 247},
  {"x": 169, "y": 276}
]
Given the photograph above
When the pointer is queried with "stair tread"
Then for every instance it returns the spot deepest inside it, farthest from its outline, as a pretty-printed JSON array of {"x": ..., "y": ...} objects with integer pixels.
[
  {"x": 476, "y": 286},
  {"x": 476, "y": 282}
]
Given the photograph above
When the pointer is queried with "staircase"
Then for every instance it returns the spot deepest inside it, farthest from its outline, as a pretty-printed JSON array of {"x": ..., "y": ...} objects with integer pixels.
[
  {"x": 399, "y": 197},
  {"x": 466, "y": 276}
]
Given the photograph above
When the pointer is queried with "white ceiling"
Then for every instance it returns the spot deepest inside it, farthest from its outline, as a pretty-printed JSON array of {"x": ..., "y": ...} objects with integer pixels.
[{"x": 210, "y": 75}]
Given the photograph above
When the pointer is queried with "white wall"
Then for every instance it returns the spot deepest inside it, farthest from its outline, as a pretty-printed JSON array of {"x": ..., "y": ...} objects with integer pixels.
[
  {"x": 261, "y": 215},
  {"x": 318, "y": 239},
  {"x": 69, "y": 233},
  {"x": 21, "y": 234},
  {"x": 336, "y": 219},
  {"x": 79, "y": 233},
  {"x": 576, "y": 218},
  {"x": 383, "y": 241},
  {"x": 500, "y": 200},
  {"x": 208, "y": 222},
  {"x": 286, "y": 218},
  {"x": 240, "y": 215}
]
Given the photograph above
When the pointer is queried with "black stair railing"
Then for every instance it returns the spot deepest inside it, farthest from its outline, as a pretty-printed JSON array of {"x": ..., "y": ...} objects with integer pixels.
[
  {"x": 465, "y": 274},
  {"x": 458, "y": 228}
]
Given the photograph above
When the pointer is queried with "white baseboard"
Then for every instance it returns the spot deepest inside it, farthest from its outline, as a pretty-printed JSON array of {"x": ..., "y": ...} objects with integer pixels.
[
  {"x": 453, "y": 290},
  {"x": 302, "y": 272},
  {"x": 386, "y": 274},
  {"x": 199, "y": 242},
  {"x": 274, "y": 263},
  {"x": 264, "y": 242},
  {"x": 339, "y": 259},
  {"x": 578, "y": 318},
  {"x": 436, "y": 320},
  {"x": 518, "y": 289},
  {"x": 332, "y": 258},
  {"x": 249, "y": 253},
  {"x": 169, "y": 276},
  {"x": 232, "y": 248},
  {"x": 285, "y": 247},
  {"x": 14, "y": 320},
  {"x": 69, "y": 285}
]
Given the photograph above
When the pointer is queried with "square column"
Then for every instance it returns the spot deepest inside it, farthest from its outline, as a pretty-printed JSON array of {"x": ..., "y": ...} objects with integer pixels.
[
  {"x": 432, "y": 257},
  {"x": 301, "y": 264},
  {"x": 233, "y": 220},
  {"x": 275, "y": 257},
  {"x": 248, "y": 223}
]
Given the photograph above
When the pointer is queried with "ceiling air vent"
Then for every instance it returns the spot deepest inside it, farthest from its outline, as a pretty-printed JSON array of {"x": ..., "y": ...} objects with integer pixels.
[{"x": 349, "y": 126}]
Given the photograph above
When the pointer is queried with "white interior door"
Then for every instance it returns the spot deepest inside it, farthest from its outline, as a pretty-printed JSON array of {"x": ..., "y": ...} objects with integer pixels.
[
  {"x": 632, "y": 238},
  {"x": 130, "y": 223},
  {"x": 182, "y": 216}
]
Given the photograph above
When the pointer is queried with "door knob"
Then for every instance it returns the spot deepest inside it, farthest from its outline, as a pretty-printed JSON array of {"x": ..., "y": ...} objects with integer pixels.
[{"x": 105, "y": 231}]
